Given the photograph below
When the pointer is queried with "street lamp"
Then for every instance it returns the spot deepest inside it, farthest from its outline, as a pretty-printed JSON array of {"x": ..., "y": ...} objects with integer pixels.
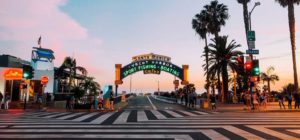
[{"x": 256, "y": 4}]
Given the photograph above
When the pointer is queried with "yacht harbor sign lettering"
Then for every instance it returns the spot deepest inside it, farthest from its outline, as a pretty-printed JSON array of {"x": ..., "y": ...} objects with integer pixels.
[{"x": 151, "y": 65}]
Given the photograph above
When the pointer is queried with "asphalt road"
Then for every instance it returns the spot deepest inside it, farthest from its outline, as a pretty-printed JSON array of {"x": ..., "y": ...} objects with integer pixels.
[{"x": 149, "y": 103}]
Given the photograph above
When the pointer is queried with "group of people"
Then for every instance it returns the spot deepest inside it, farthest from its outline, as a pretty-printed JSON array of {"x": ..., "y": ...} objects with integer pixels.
[
  {"x": 4, "y": 101},
  {"x": 189, "y": 98},
  {"x": 289, "y": 98},
  {"x": 97, "y": 103},
  {"x": 255, "y": 100}
]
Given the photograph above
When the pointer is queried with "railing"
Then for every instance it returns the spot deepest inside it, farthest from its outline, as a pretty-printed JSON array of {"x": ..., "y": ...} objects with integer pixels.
[{"x": 166, "y": 99}]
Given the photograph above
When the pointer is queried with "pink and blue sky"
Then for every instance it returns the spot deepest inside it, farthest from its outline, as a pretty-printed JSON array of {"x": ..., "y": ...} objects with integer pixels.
[{"x": 101, "y": 33}]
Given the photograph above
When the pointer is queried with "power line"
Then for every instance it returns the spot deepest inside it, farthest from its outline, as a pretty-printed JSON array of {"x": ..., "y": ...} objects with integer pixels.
[{"x": 278, "y": 56}]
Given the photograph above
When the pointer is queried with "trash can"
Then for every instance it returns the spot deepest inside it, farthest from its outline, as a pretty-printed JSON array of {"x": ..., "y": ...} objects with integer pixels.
[{"x": 204, "y": 103}]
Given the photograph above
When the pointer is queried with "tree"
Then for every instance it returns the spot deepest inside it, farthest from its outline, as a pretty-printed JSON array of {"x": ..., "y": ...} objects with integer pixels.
[
  {"x": 90, "y": 86},
  {"x": 70, "y": 65},
  {"x": 221, "y": 57},
  {"x": 269, "y": 76},
  {"x": 199, "y": 24},
  {"x": 245, "y": 12},
  {"x": 288, "y": 89},
  {"x": 291, "y": 17},
  {"x": 216, "y": 15}
]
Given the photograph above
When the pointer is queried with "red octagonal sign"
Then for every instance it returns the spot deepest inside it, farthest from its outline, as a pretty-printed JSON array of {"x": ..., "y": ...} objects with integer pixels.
[{"x": 44, "y": 80}]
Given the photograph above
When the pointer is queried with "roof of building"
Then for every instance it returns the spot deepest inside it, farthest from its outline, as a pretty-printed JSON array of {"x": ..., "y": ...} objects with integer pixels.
[{"x": 12, "y": 61}]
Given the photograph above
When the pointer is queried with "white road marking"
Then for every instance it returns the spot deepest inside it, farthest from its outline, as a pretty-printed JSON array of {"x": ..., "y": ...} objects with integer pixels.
[
  {"x": 174, "y": 114},
  {"x": 158, "y": 115},
  {"x": 85, "y": 116},
  {"x": 212, "y": 134},
  {"x": 122, "y": 118},
  {"x": 242, "y": 133},
  {"x": 102, "y": 118},
  {"x": 69, "y": 116},
  {"x": 108, "y": 136},
  {"x": 265, "y": 129},
  {"x": 141, "y": 116},
  {"x": 153, "y": 106}
]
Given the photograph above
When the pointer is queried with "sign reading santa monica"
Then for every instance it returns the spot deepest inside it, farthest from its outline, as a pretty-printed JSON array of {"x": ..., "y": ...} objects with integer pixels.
[{"x": 156, "y": 65}]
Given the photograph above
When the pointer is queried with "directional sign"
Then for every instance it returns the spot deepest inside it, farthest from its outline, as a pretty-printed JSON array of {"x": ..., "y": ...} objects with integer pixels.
[
  {"x": 252, "y": 51},
  {"x": 251, "y": 35},
  {"x": 251, "y": 44}
]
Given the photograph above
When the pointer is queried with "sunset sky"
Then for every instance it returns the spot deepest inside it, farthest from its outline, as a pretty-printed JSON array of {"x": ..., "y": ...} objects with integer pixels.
[{"x": 102, "y": 33}]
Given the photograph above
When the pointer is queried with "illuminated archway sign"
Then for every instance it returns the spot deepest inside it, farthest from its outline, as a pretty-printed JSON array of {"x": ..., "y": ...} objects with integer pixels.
[{"x": 151, "y": 64}]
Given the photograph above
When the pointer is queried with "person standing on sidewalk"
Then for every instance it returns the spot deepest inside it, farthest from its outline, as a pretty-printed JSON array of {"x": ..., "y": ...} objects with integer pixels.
[
  {"x": 6, "y": 102},
  {"x": 280, "y": 101},
  {"x": 1, "y": 98},
  {"x": 289, "y": 99},
  {"x": 111, "y": 100},
  {"x": 296, "y": 98},
  {"x": 213, "y": 101}
]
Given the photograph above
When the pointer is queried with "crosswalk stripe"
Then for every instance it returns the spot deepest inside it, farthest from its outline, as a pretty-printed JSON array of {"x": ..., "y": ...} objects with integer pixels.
[
  {"x": 69, "y": 116},
  {"x": 212, "y": 134},
  {"x": 141, "y": 116},
  {"x": 122, "y": 118},
  {"x": 54, "y": 115},
  {"x": 173, "y": 113},
  {"x": 242, "y": 133},
  {"x": 102, "y": 118},
  {"x": 274, "y": 133},
  {"x": 200, "y": 112},
  {"x": 158, "y": 115},
  {"x": 103, "y": 136},
  {"x": 187, "y": 113},
  {"x": 85, "y": 116}
]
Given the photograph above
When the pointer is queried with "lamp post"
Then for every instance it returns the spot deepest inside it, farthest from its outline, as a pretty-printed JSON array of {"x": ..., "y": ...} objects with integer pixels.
[
  {"x": 158, "y": 87},
  {"x": 251, "y": 56},
  {"x": 256, "y": 4}
]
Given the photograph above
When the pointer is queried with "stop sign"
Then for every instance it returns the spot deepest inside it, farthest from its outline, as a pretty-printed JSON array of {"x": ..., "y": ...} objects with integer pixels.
[{"x": 44, "y": 80}]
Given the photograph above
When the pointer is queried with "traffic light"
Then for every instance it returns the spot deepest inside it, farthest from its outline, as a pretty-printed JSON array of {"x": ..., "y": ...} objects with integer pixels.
[
  {"x": 255, "y": 70},
  {"x": 248, "y": 67},
  {"x": 28, "y": 72}
]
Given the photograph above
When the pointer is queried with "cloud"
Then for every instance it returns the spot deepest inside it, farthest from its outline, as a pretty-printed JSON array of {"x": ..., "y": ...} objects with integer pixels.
[{"x": 23, "y": 21}]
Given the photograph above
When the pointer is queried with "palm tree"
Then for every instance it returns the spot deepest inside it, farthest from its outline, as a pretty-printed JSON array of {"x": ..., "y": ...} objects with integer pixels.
[
  {"x": 222, "y": 57},
  {"x": 70, "y": 65},
  {"x": 245, "y": 12},
  {"x": 291, "y": 16},
  {"x": 268, "y": 77},
  {"x": 215, "y": 14},
  {"x": 199, "y": 24}
]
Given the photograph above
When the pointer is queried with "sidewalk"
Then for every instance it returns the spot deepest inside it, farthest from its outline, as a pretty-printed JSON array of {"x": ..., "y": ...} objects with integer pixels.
[
  {"x": 271, "y": 107},
  {"x": 117, "y": 107}
]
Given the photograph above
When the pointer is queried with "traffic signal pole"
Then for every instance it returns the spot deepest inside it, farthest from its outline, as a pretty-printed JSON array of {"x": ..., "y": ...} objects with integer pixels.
[{"x": 251, "y": 55}]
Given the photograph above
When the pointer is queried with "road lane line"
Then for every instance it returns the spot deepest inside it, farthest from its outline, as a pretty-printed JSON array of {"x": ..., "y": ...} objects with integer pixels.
[{"x": 153, "y": 106}]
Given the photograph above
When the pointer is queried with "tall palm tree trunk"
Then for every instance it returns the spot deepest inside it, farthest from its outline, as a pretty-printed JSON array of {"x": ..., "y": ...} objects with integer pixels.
[
  {"x": 225, "y": 82},
  {"x": 206, "y": 59},
  {"x": 219, "y": 87},
  {"x": 293, "y": 41},
  {"x": 269, "y": 86}
]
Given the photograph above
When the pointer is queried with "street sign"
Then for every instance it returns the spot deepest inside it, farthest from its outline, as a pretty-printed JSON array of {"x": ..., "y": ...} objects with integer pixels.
[
  {"x": 252, "y": 51},
  {"x": 251, "y": 35},
  {"x": 251, "y": 44},
  {"x": 44, "y": 80}
]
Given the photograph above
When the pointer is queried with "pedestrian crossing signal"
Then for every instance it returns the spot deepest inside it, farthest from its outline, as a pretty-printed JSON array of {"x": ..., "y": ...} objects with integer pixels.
[{"x": 28, "y": 72}]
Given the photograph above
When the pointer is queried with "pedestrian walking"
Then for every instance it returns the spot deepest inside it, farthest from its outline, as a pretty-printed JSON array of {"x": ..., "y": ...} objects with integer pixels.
[
  {"x": 72, "y": 102},
  {"x": 1, "y": 98},
  {"x": 263, "y": 100},
  {"x": 280, "y": 101},
  {"x": 296, "y": 98},
  {"x": 6, "y": 102},
  {"x": 100, "y": 101},
  {"x": 213, "y": 101},
  {"x": 289, "y": 99},
  {"x": 111, "y": 100},
  {"x": 255, "y": 101}
]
